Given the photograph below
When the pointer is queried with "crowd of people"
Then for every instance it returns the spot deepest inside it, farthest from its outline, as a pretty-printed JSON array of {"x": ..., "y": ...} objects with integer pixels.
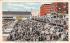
[
  {"x": 7, "y": 24},
  {"x": 40, "y": 29}
]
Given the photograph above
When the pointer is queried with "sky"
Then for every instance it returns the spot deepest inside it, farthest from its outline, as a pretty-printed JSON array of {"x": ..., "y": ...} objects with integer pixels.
[{"x": 20, "y": 6}]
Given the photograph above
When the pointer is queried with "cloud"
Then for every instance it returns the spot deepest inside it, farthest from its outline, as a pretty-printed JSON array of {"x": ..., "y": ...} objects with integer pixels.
[{"x": 18, "y": 6}]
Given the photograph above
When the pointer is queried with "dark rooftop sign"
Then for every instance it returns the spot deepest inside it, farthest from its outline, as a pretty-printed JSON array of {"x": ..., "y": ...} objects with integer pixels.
[{"x": 16, "y": 13}]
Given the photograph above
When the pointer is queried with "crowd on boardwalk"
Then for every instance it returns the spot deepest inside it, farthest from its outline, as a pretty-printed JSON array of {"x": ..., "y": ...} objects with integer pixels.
[{"x": 40, "y": 29}]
